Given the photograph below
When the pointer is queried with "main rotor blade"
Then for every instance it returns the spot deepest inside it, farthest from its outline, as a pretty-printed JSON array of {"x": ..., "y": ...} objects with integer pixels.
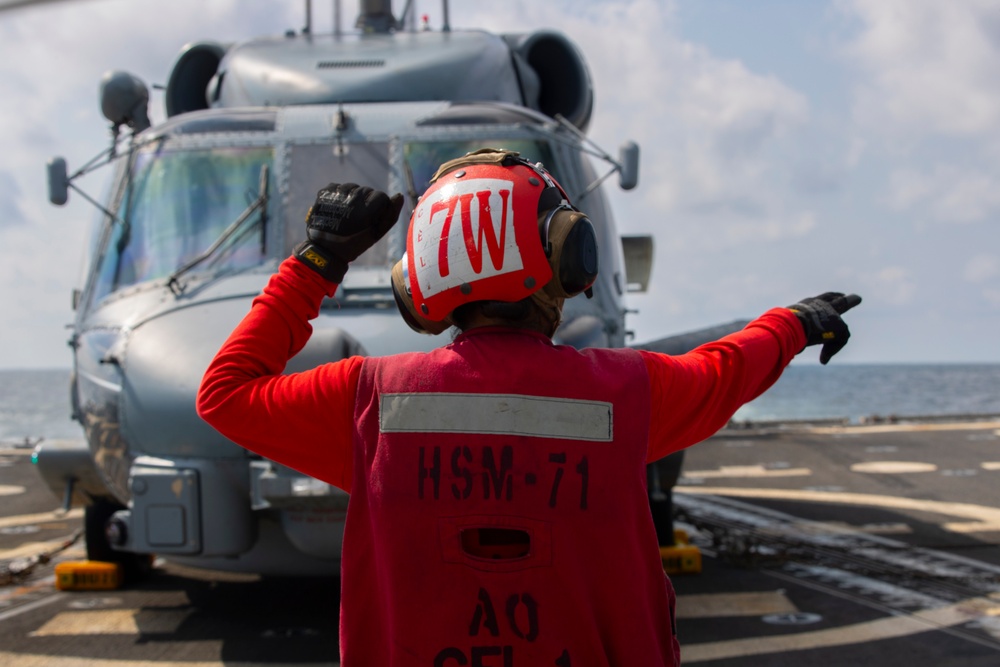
[{"x": 20, "y": 4}]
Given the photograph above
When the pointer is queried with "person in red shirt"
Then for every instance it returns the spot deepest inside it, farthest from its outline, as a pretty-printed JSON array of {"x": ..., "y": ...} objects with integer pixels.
[{"x": 498, "y": 511}]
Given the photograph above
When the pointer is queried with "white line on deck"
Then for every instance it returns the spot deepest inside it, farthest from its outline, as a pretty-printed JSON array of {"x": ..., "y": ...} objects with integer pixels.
[
  {"x": 747, "y": 471},
  {"x": 893, "y": 467},
  {"x": 8, "y": 659},
  {"x": 43, "y": 517},
  {"x": 113, "y": 622},
  {"x": 721, "y": 605},
  {"x": 979, "y": 518},
  {"x": 902, "y": 428},
  {"x": 924, "y": 620},
  {"x": 17, "y": 611}
]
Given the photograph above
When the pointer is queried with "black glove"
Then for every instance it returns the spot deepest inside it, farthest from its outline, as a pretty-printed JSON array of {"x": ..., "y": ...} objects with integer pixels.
[
  {"x": 820, "y": 318},
  {"x": 345, "y": 220}
]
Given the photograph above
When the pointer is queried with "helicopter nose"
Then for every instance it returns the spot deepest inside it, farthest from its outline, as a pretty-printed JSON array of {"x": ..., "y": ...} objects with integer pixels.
[{"x": 162, "y": 366}]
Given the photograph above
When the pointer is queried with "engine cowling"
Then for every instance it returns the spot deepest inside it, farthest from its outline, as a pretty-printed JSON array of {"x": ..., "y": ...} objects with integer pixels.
[
  {"x": 560, "y": 74},
  {"x": 193, "y": 71},
  {"x": 543, "y": 71}
]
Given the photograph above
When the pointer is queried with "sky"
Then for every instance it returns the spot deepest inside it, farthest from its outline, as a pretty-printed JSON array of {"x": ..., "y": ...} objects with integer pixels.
[{"x": 788, "y": 148}]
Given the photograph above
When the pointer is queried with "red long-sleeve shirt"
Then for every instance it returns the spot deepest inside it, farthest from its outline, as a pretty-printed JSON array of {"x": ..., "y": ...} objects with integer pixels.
[
  {"x": 331, "y": 423},
  {"x": 285, "y": 417}
]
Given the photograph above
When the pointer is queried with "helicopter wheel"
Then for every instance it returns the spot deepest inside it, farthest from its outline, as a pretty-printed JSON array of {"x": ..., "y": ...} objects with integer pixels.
[{"x": 135, "y": 567}]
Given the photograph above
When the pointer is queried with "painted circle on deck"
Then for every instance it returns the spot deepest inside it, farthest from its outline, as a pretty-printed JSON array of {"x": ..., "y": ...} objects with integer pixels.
[
  {"x": 893, "y": 467},
  {"x": 95, "y": 603},
  {"x": 794, "y": 618},
  {"x": 10, "y": 490}
]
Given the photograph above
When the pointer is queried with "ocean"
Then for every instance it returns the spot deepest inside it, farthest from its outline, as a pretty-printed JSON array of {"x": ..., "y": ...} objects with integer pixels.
[
  {"x": 35, "y": 403},
  {"x": 861, "y": 392}
]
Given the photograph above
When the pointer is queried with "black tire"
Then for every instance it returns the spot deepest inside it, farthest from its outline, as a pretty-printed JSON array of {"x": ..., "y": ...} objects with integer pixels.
[
  {"x": 95, "y": 518},
  {"x": 135, "y": 567}
]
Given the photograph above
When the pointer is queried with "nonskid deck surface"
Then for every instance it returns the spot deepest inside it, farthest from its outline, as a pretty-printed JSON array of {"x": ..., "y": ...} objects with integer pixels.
[{"x": 831, "y": 545}]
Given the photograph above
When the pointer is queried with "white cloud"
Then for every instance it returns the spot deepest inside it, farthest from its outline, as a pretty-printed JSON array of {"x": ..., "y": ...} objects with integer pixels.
[
  {"x": 981, "y": 268},
  {"x": 707, "y": 124},
  {"x": 926, "y": 100},
  {"x": 770, "y": 230},
  {"x": 893, "y": 285},
  {"x": 712, "y": 124},
  {"x": 927, "y": 65},
  {"x": 10, "y": 207},
  {"x": 947, "y": 192}
]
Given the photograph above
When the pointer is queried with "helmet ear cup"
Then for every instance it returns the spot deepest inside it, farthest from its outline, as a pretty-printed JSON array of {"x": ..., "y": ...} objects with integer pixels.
[
  {"x": 404, "y": 302},
  {"x": 571, "y": 245}
]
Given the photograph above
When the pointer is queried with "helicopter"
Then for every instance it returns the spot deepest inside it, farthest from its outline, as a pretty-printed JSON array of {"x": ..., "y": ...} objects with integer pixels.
[{"x": 204, "y": 205}]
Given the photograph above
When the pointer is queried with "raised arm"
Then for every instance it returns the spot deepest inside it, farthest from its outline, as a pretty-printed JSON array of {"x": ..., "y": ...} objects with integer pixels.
[
  {"x": 304, "y": 420},
  {"x": 695, "y": 394}
]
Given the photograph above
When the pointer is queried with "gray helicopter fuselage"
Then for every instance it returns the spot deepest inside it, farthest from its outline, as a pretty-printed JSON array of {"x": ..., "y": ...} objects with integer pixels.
[{"x": 144, "y": 333}]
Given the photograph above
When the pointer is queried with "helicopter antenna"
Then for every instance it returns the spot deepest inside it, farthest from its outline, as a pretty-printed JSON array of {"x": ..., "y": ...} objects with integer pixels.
[
  {"x": 376, "y": 16},
  {"x": 408, "y": 18}
]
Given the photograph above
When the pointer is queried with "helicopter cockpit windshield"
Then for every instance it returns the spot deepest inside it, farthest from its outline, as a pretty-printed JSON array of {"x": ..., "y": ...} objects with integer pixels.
[
  {"x": 309, "y": 169},
  {"x": 177, "y": 205}
]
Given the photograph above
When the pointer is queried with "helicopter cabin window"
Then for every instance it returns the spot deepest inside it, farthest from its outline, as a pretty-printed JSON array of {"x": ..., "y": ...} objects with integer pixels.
[
  {"x": 424, "y": 158},
  {"x": 179, "y": 203}
]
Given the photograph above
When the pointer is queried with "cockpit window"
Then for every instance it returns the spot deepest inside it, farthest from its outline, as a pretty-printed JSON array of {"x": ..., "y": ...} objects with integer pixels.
[
  {"x": 314, "y": 166},
  {"x": 179, "y": 203},
  {"x": 311, "y": 166},
  {"x": 424, "y": 158}
]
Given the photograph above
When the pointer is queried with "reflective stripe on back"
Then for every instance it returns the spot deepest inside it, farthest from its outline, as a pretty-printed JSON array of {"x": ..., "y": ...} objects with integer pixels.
[{"x": 506, "y": 414}]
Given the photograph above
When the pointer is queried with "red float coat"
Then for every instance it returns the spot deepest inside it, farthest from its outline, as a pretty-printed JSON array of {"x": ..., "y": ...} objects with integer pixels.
[{"x": 499, "y": 434}]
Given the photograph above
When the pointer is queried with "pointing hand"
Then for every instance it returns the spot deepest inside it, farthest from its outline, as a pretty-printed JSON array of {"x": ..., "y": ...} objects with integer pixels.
[{"x": 820, "y": 318}]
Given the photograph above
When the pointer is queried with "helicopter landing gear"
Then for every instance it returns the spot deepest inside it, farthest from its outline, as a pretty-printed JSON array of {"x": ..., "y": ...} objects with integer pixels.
[
  {"x": 679, "y": 556},
  {"x": 98, "y": 533},
  {"x": 661, "y": 478}
]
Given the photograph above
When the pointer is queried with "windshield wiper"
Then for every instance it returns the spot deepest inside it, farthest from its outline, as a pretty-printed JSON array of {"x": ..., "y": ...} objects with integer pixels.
[
  {"x": 411, "y": 187},
  {"x": 258, "y": 204}
]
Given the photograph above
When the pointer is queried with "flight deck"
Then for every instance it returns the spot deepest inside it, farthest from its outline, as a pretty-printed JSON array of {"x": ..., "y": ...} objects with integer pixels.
[{"x": 821, "y": 544}]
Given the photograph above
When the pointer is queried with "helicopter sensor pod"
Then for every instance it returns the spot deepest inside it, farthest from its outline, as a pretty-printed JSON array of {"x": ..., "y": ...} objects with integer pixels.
[{"x": 124, "y": 100}]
